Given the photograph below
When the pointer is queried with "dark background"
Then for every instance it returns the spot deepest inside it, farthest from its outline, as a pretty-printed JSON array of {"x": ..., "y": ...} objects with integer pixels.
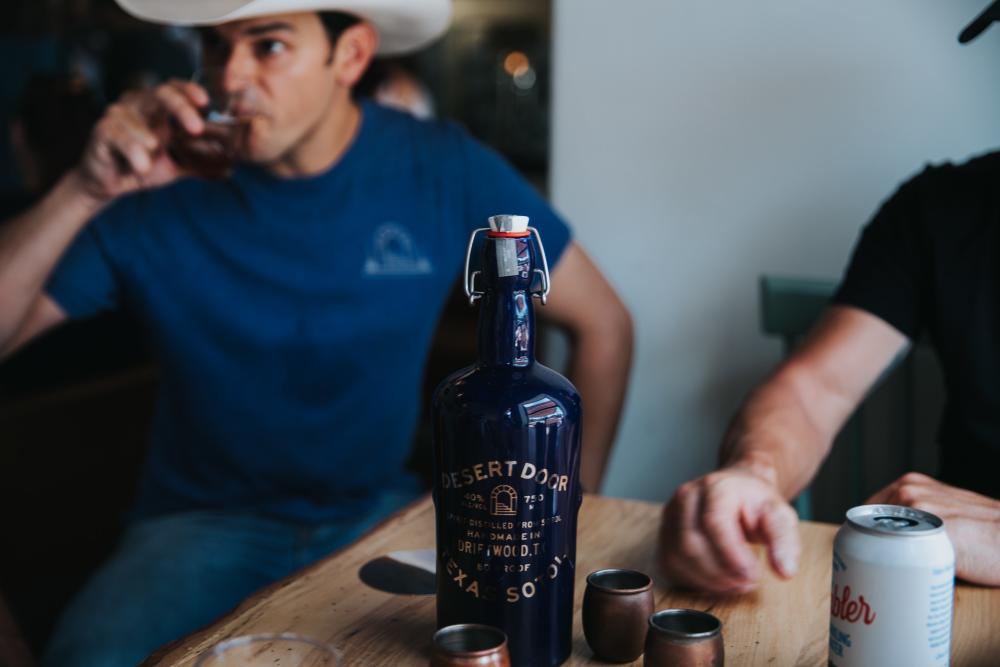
[{"x": 75, "y": 405}]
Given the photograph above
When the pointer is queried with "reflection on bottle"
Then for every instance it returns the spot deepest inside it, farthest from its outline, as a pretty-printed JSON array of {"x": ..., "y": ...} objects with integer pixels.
[
  {"x": 522, "y": 330},
  {"x": 542, "y": 411}
]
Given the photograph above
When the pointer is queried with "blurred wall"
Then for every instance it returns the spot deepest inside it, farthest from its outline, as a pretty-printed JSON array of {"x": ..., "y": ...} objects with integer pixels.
[{"x": 698, "y": 145}]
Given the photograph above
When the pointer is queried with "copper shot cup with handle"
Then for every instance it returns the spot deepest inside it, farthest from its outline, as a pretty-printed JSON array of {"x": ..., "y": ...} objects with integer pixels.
[
  {"x": 616, "y": 609},
  {"x": 470, "y": 645},
  {"x": 684, "y": 638}
]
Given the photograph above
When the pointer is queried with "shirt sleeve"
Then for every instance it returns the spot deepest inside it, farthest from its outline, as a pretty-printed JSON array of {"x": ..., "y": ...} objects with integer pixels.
[
  {"x": 889, "y": 268},
  {"x": 494, "y": 187},
  {"x": 85, "y": 282}
]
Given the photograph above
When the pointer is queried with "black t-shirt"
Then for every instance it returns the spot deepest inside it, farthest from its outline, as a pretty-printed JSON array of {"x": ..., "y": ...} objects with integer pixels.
[{"x": 929, "y": 262}]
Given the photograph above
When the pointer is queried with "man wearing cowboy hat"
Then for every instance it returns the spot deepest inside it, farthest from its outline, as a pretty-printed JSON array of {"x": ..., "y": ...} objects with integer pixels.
[
  {"x": 929, "y": 262},
  {"x": 291, "y": 305}
]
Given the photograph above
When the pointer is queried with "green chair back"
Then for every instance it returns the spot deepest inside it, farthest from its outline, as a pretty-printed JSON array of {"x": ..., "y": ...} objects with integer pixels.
[{"x": 790, "y": 306}]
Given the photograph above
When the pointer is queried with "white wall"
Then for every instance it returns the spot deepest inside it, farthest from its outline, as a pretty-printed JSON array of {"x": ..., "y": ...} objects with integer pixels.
[{"x": 697, "y": 145}]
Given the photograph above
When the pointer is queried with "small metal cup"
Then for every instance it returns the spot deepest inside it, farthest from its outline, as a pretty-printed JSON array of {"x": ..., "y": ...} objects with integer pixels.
[
  {"x": 470, "y": 645},
  {"x": 684, "y": 638},
  {"x": 616, "y": 606}
]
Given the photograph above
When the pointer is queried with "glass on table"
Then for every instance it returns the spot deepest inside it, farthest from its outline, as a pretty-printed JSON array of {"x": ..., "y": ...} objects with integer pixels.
[{"x": 270, "y": 650}]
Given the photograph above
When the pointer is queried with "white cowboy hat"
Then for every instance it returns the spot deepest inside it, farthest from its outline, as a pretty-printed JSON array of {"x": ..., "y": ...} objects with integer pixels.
[{"x": 402, "y": 25}]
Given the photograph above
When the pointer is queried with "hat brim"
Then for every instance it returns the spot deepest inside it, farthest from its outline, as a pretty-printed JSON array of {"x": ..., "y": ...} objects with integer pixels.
[
  {"x": 980, "y": 23},
  {"x": 403, "y": 25}
]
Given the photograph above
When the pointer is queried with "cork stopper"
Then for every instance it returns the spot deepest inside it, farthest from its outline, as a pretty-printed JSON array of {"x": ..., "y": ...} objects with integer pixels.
[{"x": 509, "y": 224}]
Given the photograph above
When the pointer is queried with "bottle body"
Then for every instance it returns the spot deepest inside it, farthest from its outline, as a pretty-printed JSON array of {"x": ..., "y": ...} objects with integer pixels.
[
  {"x": 507, "y": 495},
  {"x": 507, "y": 491}
]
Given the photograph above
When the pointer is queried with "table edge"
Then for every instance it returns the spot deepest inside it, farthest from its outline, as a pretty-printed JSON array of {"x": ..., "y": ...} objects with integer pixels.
[{"x": 161, "y": 652}]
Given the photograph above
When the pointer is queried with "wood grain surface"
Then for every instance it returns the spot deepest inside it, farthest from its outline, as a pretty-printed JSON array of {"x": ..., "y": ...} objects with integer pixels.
[{"x": 784, "y": 623}]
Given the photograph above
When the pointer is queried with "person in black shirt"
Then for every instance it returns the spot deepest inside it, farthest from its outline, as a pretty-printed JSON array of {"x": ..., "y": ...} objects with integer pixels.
[{"x": 927, "y": 264}]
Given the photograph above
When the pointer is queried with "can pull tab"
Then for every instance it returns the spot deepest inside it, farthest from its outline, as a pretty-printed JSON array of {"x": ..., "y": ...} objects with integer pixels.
[
  {"x": 895, "y": 522},
  {"x": 498, "y": 223}
]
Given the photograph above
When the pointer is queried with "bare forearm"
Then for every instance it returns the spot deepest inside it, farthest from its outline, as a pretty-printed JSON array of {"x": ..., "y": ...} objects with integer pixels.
[
  {"x": 774, "y": 436},
  {"x": 786, "y": 427},
  {"x": 31, "y": 244},
  {"x": 600, "y": 368}
]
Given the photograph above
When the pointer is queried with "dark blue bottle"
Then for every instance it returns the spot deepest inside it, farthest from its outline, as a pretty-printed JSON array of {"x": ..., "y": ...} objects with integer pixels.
[{"x": 507, "y": 461}]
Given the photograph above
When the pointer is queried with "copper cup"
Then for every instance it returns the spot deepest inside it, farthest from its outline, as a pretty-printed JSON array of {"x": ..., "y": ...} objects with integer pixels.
[
  {"x": 470, "y": 645},
  {"x": 684, "y": 638},
  {"x": 616, "y": 606}
]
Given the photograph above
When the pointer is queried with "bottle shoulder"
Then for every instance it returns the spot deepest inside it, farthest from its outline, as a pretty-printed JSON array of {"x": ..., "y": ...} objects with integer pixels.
[{"x": 487, "y": 389}]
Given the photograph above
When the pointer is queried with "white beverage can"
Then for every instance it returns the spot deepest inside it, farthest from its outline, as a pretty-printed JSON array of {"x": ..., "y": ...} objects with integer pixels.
[{"x": 893, "y": 586}]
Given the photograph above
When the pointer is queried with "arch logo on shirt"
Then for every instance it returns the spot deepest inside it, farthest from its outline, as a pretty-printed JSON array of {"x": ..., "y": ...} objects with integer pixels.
[{"x": 393, "y": 252}]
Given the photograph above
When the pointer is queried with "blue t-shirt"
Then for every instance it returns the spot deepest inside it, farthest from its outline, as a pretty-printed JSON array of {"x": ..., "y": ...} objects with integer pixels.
[{"x": 292, "y": 317}]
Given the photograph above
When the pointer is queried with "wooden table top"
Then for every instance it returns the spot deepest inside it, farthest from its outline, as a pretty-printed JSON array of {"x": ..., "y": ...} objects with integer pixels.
[{"x": 783, "y": 623}]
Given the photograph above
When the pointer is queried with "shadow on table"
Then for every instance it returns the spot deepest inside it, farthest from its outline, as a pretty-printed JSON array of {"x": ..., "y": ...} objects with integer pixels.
[{"x": 401, "y": 573}]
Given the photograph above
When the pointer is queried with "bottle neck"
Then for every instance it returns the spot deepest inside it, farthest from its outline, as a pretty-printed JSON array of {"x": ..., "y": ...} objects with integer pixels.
[{"x": 507, "y": 315}]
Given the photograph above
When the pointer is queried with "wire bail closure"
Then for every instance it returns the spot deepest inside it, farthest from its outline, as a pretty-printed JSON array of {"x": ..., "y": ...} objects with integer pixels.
[{"x": 469, "y": 279}]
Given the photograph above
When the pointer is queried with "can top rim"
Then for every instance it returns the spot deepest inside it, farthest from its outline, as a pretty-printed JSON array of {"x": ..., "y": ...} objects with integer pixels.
[{"x": 894, "y": 520}]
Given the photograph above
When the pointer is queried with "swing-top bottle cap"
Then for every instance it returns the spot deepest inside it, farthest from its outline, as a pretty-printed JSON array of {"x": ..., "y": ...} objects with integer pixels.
[
  {"x": 507, "y": 227},
  {"x": 509, "y": 224}
]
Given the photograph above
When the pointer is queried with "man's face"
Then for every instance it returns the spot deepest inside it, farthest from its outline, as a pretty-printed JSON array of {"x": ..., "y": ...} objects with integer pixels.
[{"x": 279, "y": 71}]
